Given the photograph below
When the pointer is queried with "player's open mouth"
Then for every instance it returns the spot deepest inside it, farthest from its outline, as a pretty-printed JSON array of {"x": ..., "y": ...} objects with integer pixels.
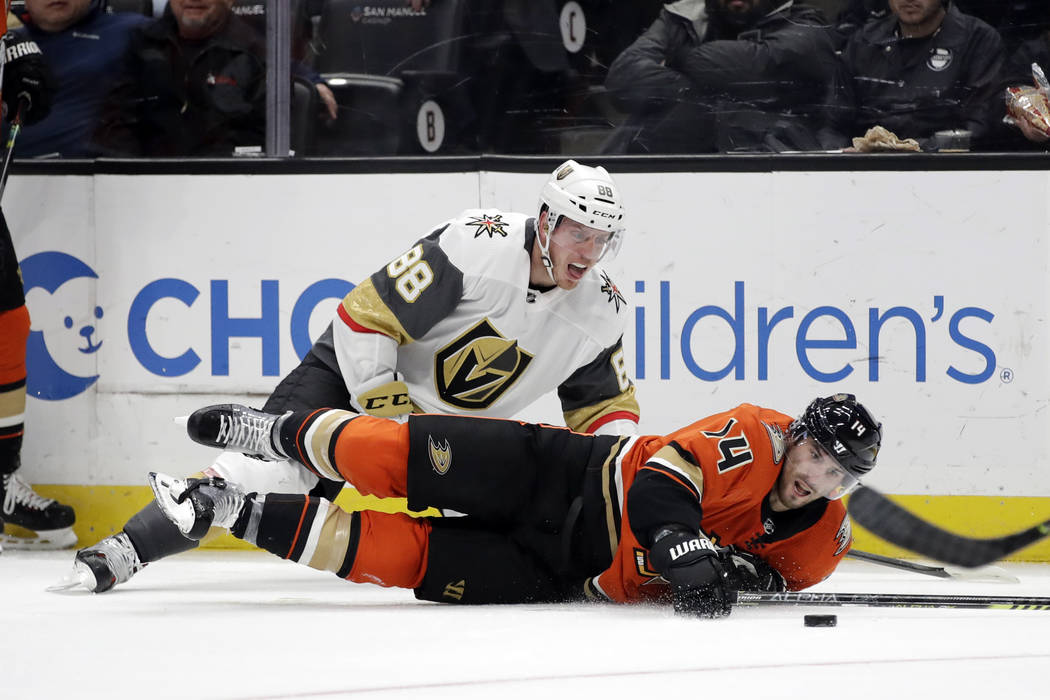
[
  {"x": 800, "y": 489},
  {"x": 577, "y": 271}
]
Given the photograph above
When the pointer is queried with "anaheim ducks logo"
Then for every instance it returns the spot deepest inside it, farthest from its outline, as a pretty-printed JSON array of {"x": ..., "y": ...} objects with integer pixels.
[
  {"x": 844, "y": 535},
  {"x": 440, "y": 455},
  {"x": 776, "y": 441},
  {"x": 474, "y": 370}
]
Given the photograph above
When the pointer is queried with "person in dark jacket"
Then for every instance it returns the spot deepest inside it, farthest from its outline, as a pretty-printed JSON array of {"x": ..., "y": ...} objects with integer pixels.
[
  {"x": 723, "y": 75},
  {"x": 83, "y": 46},
  {"x": 926, "y": 68},
  {"x": 1016, "y": 20},
  {"x": 193, "y": 84}
]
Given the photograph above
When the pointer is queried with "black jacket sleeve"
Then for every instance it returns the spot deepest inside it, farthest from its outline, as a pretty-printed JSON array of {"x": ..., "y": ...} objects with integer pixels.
[
  {"x": 761, "y": 62},
  {"x": 641, "y": 79},
  {"x": 986, "y": 56}
]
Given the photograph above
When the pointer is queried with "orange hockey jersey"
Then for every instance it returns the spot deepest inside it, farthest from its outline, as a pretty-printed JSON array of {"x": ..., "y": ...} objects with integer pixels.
[{"x": 721, "y": 469}]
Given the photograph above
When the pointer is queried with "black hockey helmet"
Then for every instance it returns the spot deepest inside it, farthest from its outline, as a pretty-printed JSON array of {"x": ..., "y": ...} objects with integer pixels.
[{"x": 845, "y": 429}]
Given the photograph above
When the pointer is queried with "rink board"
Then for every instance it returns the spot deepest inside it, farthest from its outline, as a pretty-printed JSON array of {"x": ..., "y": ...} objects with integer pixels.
[{"x": 925, "y": 293}]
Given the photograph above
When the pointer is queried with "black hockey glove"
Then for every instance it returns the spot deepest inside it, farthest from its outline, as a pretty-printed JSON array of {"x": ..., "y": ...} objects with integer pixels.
[
  {"x": 27, "y": 80},
  {"x": 749, "y": 572},
  {"x": 690, "y": 563}
]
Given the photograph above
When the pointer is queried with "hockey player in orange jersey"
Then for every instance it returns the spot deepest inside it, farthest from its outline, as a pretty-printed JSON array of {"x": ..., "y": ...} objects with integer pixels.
[
  {"x": 27, "y": 519},
  {"x": 484, "y": 315},
  {"x": 747, "y": 499}
]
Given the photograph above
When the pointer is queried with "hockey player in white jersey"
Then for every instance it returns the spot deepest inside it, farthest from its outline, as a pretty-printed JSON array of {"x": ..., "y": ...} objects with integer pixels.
[{"x": 483, "y": 316}]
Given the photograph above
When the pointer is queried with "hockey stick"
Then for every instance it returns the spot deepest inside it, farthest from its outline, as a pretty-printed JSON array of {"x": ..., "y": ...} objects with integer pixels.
[
  {"x": 994, "y": 574},
  {"x": 937, "y": 571},
  {"x": 885, "y": 519},
  {"x": 895, "y": 600},
  {"x": 9, "y": 147}
]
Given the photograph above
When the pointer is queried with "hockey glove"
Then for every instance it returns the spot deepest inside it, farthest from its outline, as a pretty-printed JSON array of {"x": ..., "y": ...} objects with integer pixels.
[
  {"x": 749, "y": 572},
  {"x": 27, "y": 80},
  {"x": 690, "y": 563}
]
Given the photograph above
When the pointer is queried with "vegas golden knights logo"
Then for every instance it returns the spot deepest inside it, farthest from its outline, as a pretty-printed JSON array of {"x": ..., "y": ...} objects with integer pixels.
[
  {"x": 455, "y": 589},
  {"x": 475, "y": 369}
]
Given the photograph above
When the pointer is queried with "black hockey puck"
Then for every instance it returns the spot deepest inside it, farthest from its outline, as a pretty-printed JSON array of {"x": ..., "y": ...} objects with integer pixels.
[{"x": 820, "y": 620}]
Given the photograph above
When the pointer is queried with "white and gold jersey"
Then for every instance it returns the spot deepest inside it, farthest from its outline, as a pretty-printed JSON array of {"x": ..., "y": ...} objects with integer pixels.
[{"x": 452, "y": 326}]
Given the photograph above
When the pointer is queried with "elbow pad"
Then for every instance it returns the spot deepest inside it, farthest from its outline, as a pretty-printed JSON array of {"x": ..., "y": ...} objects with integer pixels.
[{"x": 387, "y": 400}]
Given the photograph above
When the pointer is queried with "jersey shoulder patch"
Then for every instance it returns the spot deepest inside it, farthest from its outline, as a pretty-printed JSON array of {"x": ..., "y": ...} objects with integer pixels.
[
  {"x": 844, "y": 535},
  {"x": 776, "y": 441},
  {"x": 612, "y": 293},
  {"x": 484, "y": 223},
  {"x": 488, "y": 243}
]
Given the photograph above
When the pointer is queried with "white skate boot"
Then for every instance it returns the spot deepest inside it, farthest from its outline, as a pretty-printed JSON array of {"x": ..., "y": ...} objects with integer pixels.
[
  {"x": 195, "y": 505},
  {"x": 98, "y": 568}
]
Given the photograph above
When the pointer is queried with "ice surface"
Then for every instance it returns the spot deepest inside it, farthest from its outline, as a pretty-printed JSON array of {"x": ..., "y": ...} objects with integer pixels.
[{"x": 246, "y": 625}]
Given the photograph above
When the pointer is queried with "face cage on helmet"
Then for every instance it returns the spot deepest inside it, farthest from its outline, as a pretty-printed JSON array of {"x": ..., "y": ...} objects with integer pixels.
[
  {"x": 847, "y": 482},
  {"x": 612, "y": 246}
]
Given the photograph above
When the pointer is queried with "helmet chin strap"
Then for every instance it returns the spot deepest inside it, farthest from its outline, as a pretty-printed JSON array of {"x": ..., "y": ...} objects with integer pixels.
[{"x": 545, "y": 253}]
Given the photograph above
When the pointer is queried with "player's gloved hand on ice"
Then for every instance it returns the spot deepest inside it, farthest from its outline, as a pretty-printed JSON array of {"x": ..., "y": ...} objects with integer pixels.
[
  {"x": 690, "y": 563},
  {"x": 750, "y": 572},
  {"x": 27, "y": 79}
]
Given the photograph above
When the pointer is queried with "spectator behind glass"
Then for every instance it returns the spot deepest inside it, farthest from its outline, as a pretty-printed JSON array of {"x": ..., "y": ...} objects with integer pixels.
[
  {"x": 193, "y": 84},
  {"x": 923, "y": 69},
  {"x": 725, "y": 75},
  {"x": 83, "y": 46},
  {"x": 1016, "y": 20},
  {"x": 859, "y": 12}
]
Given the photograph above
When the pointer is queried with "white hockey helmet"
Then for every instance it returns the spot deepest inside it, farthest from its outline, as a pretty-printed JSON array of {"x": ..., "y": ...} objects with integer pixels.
[{"x": 587, "y": 195}]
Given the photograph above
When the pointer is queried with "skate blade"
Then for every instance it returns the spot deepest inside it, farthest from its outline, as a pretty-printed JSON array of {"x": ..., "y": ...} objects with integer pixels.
[
  {"x": 76, "y": 579},
  {"x": 166, "y": 490},
  {"x": 63, "y": 538}
]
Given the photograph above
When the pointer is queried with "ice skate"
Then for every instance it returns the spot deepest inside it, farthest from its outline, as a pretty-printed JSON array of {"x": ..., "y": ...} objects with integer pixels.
[
  {"x": 101, "y": 566},
  {"x": 195, "y": 505},
  {"x": 31, "y": 521},
  {"x": 235, "y": 427}
]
